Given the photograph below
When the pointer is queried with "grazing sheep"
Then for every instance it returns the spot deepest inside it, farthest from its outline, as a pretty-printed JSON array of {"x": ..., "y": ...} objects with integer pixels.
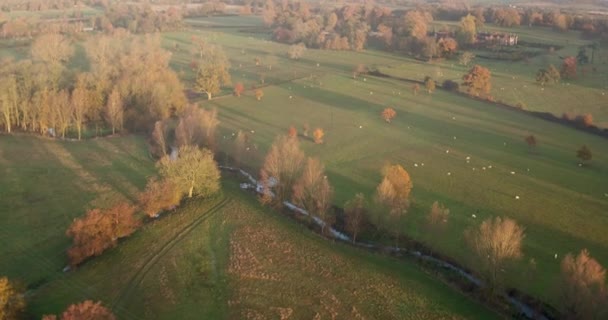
[
  {"x": 360, "y": 127},
  {"x": 449, "y": 173},
  {"x": 512, "y": 172},
  {"x": 422, "y": 164},
  {"x": 555, "y": 256},
  {"x": 416, "y": 165},
  {"x": 517, "y": 197},
  {"x": 473, "y": 216},
  {"x": 447, "y": 151}
]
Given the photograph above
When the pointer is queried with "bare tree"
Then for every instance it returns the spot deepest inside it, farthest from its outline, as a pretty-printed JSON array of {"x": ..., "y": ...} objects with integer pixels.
[
  {"x": 437, "y": 218},
  {"x": 114, "y": 111},
  {"x": 313, "y": 192},
  {"x": 582, "y": 293},
  {"x": 354, "y": 213},
  {"x": 212, "y": 72},
  {"x": 159, "y": 140},
  {"x": 80, "y": 101},
  {"x": 12, "y": 300},
  {"x": 496, "y": 242},
  {"x": 282, "y": 167}
]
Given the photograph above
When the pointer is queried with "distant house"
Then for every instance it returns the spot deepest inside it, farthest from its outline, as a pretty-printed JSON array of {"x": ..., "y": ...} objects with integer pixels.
[
  {"x": 495, "y": 38},
  {"x": 483, "y": 38}
]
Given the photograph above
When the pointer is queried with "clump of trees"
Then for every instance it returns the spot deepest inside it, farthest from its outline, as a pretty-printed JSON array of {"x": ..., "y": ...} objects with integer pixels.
[
  {"x": 129, "y": 85},
  {"x": 100, "y": 230},
  {"x": 584, "y": 153},
  {"x": 86, "y": 310}
]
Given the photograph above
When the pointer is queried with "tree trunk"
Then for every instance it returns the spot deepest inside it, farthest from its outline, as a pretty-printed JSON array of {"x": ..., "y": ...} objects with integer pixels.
[
  {"x": 191, "y": 189},
  {"x": 208, "y": 95},
  {"x": 113, "y": 130},
  {"x": 79, "y": 129}
]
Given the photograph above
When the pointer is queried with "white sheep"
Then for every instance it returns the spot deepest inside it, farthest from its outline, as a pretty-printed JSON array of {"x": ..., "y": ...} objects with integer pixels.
[
  {"x": 473, "y": 216},
  {"x": 517, "y": 197},
  {"x": 512, "y": 172}
]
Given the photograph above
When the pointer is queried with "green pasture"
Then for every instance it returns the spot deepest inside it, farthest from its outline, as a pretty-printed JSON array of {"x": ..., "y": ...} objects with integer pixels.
[{"x": 561, "y": 205}]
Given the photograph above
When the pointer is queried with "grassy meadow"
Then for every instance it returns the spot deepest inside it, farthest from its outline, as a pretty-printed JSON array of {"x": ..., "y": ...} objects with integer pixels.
[
  {"x": 222, "y": 257},
  {"x": 562, "y": 205}
]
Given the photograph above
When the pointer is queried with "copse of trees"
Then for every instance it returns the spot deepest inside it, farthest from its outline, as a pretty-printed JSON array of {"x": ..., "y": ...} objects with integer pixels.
[
  {"x": 130, "y": 86},
  {"x": 86, "y": 310},
  {"x": 141, "y": 18},
  {"x": 100, "y": 230},
  {"x": 159, "y": 195}
]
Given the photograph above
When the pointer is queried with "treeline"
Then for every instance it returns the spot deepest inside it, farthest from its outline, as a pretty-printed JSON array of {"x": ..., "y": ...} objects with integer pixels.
[
  {"x": 129, "y": 85},
  {"x": 140, "y": 18}
]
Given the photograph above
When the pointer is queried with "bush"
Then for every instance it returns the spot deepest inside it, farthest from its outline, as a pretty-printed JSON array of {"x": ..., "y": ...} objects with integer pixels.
[{"x": 451, "y": 85}]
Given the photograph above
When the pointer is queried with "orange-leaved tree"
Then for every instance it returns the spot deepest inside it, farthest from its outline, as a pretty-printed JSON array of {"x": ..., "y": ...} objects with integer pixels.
[
  {"x": 392, "y": 197},
  {"x": 388, "y": 114},
  {"x": 318, "y": 135},
  {"x": 158, "y": 196},
  {"x": 477, "y": 81},
  {"x": 86, "y": 310}
]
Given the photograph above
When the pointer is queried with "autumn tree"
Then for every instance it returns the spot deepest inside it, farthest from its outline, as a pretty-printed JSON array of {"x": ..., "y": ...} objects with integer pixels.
[
  {"x": 194, "y": 171},
  {"x": 496, "y": 242},
  {"x": 12, "y": 300},
  {"x": 81, "y": 103},
  {"x": 259, "y": 94},
  {"x": 292, "y": 132},
  {"x": 318, "y": 135},
  {"x": 159, "y": 195},
  {"x": 392, "y": 195},
  {"x": 583, "y": 293},
  {"x": 99, "y": 230},
  {"x": 159, "y": 139},
  {"x": 53, "y": 50},
  {"x": 429, "y": 84},
  {"x": 466, "y": 58},
  {"x": 531, "y": 141},
  {"x": 437, "y": 217},
  {"x": 238, "y": 89},
  {"x": 197, "y": 126},
  {"x": 586, "y": 120},
  {"x": 354, "y": 215},
  {"x": 467, "y": 33},
  {"x": 584, "y": 153},
  {"x": 359, "y": 69},
  {"x": 477, "y": 81},
  {"x": 114, "y": 111},
  {"x": 86, "y": 310},
  {"x": 447, "y": 47},
  {"x": 313, "y": 193},
  {"x": 568, "y": 70},
  {"x": 549, "y": 75},
  {"x": 212, "y": 72},
  {"x": 415, "y": 24},
  {"x": 388, "y": 114},
  {"x": 282, "y": 167},
  {"x": 415, "y": 89},
  {"x": 296, "y": 51},
  {"x": 9, "y": 101}
]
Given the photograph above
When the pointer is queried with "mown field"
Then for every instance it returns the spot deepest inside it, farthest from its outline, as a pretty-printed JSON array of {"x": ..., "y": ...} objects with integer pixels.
[
  {"x": 563, "y": 206},
  {"x": 223, "y": 257}
]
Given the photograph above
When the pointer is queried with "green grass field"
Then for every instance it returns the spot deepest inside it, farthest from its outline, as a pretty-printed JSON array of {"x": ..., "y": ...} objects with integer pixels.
[
  {"x": 45, "y": 184},
  {"x": 563, "y": 206},
  {"x": 224, "y": 257}
]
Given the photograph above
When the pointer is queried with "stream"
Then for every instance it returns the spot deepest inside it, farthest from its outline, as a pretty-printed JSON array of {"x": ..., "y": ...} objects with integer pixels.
[{"x": 524, "y": 309}]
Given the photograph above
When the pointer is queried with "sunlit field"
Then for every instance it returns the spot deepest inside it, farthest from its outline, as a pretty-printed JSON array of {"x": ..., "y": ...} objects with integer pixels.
[{"x": 561, "y": 204}]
